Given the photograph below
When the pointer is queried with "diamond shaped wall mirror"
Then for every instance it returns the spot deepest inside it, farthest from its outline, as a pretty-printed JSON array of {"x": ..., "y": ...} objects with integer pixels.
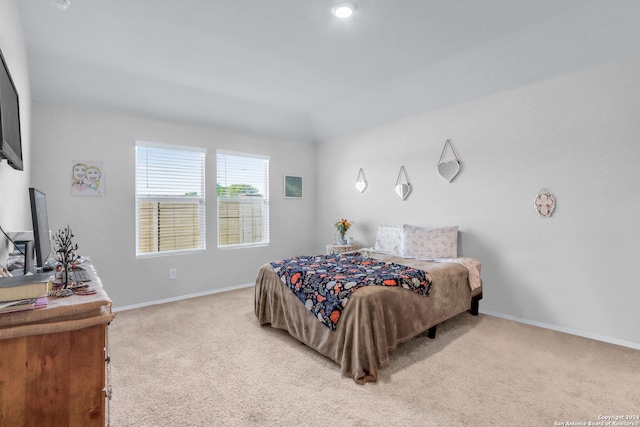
[{"x": 361, "y": 181}]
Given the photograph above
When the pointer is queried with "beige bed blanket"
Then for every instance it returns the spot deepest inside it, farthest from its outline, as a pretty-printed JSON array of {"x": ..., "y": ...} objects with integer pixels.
[{"x": 375, "y": 320}]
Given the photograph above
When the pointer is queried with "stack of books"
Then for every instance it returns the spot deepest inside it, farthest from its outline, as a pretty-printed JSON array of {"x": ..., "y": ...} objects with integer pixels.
[{"x": 23, "y": 292}]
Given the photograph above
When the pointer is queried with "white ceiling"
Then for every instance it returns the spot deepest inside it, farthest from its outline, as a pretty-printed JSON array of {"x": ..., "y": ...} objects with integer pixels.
[{"x": 288, "y": 68}]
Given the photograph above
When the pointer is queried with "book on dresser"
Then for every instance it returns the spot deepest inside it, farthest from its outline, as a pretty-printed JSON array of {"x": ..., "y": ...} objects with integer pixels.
[
  {"x": 23, "y": 304},
  {"x": 24, "y": 287}
]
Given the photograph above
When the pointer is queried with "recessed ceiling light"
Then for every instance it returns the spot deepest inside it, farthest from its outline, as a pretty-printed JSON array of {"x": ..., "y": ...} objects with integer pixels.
[
  {"x": 61, "y": 4},
  {"x": 343, "y": 10}
]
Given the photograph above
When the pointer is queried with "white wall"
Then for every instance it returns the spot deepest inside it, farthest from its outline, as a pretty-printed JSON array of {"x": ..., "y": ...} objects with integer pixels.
[
  {"x": 105, "y": 226},
  {"x": 575, "y": 135},
  {"x": 14, "y": 196}
]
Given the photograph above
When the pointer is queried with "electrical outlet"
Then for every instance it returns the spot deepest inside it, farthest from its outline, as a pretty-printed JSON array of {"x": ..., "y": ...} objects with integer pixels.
[{"x": 173, "y": 273}]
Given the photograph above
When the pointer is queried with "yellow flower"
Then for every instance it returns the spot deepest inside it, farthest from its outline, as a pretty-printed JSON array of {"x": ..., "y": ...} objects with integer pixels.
[{"x": 342, "y": 226}]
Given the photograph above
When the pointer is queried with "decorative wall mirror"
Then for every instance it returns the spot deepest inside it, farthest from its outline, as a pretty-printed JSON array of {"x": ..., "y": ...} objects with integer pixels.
[
  {"x": 448, "y": 170},
  {"x": 361, "y": 181},
  {"x": 403, "y": 187}
]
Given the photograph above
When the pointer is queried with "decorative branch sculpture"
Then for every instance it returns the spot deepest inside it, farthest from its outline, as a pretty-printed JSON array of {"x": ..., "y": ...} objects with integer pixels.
[{"x": 65, "y": 252}]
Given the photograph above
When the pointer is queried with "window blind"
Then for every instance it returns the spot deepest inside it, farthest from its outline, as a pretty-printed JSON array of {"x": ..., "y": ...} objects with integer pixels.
[
  {"x": 170, "y": 199},
  {"x": 243, "y": 199}
]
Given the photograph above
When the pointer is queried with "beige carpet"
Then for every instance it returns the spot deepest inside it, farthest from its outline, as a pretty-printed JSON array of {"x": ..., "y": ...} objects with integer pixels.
[{"x": 206, "y": 362}]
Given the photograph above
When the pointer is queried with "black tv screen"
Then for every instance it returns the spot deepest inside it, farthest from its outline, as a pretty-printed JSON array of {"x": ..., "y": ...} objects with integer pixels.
[{"x": 10, "y": 137}]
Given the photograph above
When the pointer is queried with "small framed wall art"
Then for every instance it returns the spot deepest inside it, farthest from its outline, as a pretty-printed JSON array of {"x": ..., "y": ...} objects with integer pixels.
[
  {"x": 87, "y": 178},
  {"x": 544, "y": 203},
  {"x": 292, "y": 187}
]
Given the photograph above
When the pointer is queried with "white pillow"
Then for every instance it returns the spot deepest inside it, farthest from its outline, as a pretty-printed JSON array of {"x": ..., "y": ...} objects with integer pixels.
[
  {"x": 388, "y": 239},
  {"x": 423, "y": 242}
]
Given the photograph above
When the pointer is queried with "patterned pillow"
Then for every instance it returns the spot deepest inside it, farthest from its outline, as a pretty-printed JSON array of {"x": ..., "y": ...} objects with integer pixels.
[
  {"x": 423, "y": 242},
  {"x": 388, "y": 239}
]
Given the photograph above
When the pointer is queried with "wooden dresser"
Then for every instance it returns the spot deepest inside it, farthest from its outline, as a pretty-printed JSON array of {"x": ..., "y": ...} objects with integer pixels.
[{"x": 53, "y": 361}]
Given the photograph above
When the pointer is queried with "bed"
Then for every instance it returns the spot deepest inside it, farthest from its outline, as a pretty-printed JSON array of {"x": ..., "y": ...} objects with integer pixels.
[{"x": 376, "y": 318}]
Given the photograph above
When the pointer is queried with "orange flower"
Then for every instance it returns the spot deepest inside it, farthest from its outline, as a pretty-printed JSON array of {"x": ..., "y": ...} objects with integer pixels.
[{"x": 342, "y": 226}]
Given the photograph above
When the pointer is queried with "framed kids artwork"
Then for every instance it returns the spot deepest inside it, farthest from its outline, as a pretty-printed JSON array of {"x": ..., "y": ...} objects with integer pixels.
[{"x": 87, "y": 178}]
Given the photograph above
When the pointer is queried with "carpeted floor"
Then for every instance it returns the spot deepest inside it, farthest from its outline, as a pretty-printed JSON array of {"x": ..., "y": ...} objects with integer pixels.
[{"x": 206, "y": 362}]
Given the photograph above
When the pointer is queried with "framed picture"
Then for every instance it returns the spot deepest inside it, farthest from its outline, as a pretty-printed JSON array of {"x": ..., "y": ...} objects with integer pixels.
[
  {"x": 87, "y": 178},
  {"x": 292, "y": 187}
]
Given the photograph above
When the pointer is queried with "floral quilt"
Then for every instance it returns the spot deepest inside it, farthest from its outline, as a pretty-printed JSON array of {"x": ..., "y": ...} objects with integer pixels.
[{"x": 324, "y": 283}]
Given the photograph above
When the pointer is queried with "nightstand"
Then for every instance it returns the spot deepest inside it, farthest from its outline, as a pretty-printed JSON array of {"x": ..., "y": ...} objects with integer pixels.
[{"x": 338, "y": 249}]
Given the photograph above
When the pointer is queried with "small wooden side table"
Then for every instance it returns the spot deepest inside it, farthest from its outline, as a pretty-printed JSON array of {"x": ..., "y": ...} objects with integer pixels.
[{"x": 338, "y": 249}]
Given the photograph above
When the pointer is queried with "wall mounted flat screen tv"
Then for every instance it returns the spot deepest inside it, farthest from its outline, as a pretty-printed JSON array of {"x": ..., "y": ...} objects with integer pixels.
[{"x": 10, "y": 136}]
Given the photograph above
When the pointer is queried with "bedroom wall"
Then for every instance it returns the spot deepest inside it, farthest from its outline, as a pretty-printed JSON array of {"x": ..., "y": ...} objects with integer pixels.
[
  {"x": 575, "y": 135},
  {"x": 14, "y": 196},
  {"x": 105, "y": 226}
]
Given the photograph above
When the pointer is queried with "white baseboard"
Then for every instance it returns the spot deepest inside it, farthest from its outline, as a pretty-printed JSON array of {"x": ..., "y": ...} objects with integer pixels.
[
  {"x": 487, "y": 312},
  {"x": 596, "y": 337},
  {"x": 181, "y": 297}
]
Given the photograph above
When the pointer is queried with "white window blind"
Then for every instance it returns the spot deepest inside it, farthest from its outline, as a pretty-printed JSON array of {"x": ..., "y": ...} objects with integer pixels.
[
  {"x": 170, "y": 199},
  {"x": 243, "y": 199}
]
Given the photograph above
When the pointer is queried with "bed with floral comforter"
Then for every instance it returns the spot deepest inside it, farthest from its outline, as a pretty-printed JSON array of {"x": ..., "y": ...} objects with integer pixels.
[{"x": 356, "y": 308}]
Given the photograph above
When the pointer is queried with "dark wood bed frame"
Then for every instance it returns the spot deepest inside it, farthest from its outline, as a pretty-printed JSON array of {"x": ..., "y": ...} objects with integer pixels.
[{"x": 475, "y": 305}]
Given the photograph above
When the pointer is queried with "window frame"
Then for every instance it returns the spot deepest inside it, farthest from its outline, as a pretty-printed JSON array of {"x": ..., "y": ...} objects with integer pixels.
[
  {"x": 265, "y": 201},
  {"x": 175, "y": 198}
]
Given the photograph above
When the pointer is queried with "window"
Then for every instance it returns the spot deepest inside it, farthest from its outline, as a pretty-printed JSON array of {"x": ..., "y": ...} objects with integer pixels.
[
  {"x": 243, "y": 199},
  {"x": 170, "y": 199}
]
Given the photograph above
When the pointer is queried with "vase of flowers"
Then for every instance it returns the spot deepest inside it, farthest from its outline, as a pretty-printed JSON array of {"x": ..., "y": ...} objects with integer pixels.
[{"x": 342, "y": 226}]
